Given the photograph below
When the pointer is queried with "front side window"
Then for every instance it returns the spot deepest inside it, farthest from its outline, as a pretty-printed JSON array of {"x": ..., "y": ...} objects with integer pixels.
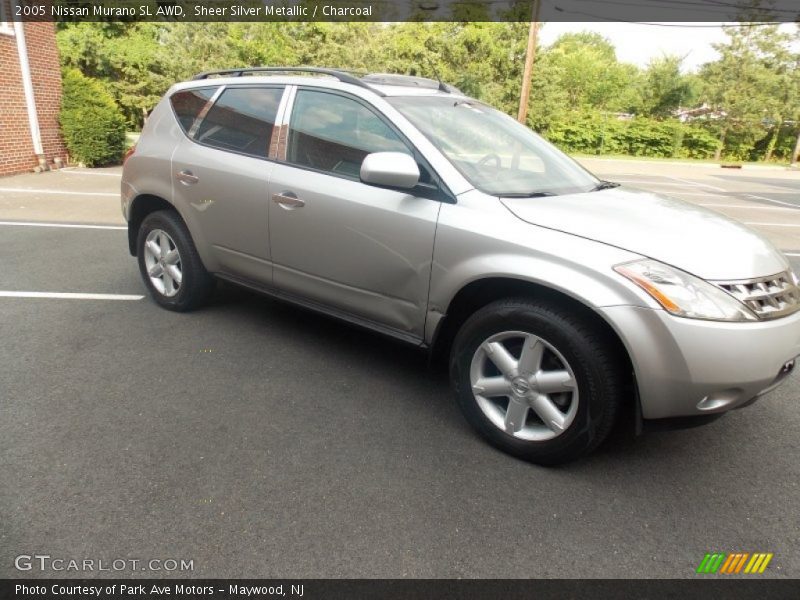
[
  {"x": 241, "y": 120},
  {"x": 494, "y": 152},
  {"x": 332, "y": 133}
]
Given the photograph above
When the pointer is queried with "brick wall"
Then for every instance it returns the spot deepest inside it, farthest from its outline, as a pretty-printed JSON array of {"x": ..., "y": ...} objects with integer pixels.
[{"x": 16, "y": 148}]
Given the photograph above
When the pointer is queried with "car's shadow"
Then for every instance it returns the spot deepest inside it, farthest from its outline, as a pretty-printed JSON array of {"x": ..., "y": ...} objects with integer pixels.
[
  {"x": 428, "y": 383},
  {"x": 327, "y": 338}
]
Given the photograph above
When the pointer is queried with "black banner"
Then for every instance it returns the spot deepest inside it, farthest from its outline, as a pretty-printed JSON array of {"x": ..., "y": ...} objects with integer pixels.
[
  {"x": 676, "y": 11},
  {"x": 392, "y": 589}
]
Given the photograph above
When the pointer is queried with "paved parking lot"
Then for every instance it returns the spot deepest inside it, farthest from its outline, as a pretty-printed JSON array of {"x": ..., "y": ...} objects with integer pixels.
[
  {"x": 767, "y": 199},
  {"x": 257, "y": 439}
]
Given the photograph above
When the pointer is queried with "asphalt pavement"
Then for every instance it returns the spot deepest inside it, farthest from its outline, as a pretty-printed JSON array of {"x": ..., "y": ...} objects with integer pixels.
[{"x": 258, "y": 439}]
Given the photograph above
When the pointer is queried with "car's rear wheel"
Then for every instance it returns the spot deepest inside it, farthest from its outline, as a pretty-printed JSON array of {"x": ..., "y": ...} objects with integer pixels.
[
  {"x": 169, "y": 263},
  {"x": 536, "y": 381}
]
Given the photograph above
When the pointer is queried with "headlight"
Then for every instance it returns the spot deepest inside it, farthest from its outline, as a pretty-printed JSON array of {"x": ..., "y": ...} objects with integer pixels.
[{"x": 683, "y": 294}]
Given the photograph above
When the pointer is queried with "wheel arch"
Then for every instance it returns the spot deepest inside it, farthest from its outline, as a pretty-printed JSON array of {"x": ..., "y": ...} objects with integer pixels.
[
  {"x": 478, "y": 293},
  {"x": 145, "y": 204},
  {"x": 141, "y": 206}
]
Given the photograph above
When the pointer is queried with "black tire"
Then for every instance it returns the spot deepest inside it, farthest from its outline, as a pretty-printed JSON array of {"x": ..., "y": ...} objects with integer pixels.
[
  {"x": 197, "y": 284},
  {"x": 593, "y": 357}
]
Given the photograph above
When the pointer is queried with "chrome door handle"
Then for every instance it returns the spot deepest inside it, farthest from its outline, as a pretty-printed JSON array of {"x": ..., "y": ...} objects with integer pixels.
[
  {"x": 187, "y": 177},
  {"x": 288, "y": 200}
]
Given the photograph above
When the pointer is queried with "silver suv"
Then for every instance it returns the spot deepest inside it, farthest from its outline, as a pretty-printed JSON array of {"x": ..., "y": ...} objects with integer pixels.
[{"x": 561, "y": 302}]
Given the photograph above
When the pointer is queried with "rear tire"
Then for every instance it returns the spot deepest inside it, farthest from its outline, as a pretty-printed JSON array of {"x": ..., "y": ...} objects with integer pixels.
[
  {"x": 537, "y": 381},
  {"x": 169, "y": 263}
]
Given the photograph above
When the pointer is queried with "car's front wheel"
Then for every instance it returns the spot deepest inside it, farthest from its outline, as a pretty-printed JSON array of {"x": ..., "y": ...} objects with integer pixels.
[
  {"x": 169, "y": 263},
  {"x": 537, "y": 381}
]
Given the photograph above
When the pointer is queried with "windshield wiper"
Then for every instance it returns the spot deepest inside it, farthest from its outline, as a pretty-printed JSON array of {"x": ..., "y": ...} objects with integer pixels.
[
  {"x": 526, "y": 194},
  {"x": 605, "y": 185}
]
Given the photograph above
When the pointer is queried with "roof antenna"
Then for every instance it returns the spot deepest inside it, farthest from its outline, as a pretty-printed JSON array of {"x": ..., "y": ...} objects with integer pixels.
[{"x": 442, "y": 86}]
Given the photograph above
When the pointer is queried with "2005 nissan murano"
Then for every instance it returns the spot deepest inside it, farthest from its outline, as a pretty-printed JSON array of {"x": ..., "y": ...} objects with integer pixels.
[{"x": 396, "y": 203}]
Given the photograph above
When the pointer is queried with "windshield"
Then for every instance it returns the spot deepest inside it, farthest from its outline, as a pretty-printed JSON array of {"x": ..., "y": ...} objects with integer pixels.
[{"x": 493, "y": 151}]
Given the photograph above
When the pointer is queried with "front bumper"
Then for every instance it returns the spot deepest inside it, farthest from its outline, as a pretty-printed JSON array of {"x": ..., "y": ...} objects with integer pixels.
[{"x": 688, "y": 367}]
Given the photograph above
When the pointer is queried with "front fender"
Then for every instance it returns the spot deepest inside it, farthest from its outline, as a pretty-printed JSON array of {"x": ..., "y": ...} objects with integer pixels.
[{"x": 479, "y": 242}]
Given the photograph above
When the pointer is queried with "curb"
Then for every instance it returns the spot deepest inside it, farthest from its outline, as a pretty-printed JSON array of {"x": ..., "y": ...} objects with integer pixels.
[{"x": 688, "y": 164}]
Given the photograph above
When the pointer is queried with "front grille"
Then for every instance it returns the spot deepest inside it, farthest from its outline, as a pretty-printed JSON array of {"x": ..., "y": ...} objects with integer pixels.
[{"x": 768, "y": 297}]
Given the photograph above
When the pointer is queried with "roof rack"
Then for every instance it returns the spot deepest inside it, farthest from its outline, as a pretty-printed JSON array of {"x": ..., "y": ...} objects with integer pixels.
[
  {"x": 410, "y": 81},
  {"x": 340, "y": 75}
]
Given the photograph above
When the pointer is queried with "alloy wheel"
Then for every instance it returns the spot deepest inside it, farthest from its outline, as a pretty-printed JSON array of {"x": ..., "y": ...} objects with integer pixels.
[
  {"x": 524, "y": 386},
  {"x": 163, "y": 262}
]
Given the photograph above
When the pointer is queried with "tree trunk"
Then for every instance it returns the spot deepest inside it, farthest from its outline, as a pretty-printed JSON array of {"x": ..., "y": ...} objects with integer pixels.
[
  {"x": 773, "y": 140},
  {"x": 796, "y": 152},
  {"x": 718, "y": 153}
]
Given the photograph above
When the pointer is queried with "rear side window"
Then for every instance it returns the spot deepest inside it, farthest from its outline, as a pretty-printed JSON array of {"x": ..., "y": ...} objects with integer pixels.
[
  {"x": 333, "y": 133},
  {"x": 188, "y": 104},
  {"x": 241, "y": 120}
]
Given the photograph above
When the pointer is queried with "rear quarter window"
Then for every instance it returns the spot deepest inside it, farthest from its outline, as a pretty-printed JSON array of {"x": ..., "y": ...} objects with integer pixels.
[{"x": 188, "y": 104}]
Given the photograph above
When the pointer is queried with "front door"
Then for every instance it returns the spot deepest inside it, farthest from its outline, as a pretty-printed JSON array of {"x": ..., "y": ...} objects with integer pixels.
[{"x": 361, "y": 249}]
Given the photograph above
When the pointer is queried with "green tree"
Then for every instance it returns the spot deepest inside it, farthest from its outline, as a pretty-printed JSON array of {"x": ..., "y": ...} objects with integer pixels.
[
  {"x": 665, "y": 88},
  {"x": 129, "y": 58},
  {"x": 743, "y": 84},
  {"x": 578, "y": 83},
  {"x": 585, "y": 67}
]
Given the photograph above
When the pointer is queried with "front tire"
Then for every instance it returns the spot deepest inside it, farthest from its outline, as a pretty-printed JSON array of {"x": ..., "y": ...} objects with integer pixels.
[
  {"x": 169, "y": 263},
  {"x": 537, "y": 381}
]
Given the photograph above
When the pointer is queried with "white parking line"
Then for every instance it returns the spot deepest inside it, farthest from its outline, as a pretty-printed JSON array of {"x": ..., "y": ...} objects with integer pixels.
[
  {"x": 696, "y": 184},
  {"x": 707, "y": 194},
  {"x": 70, "y": 296},
  {"x": 771, "y": 200},
  {"x": 773, "y": 224},
  {"x": 654, "y": 183},
  {"x": 746, "y": 206},
  {"x": 74, "y": 171},
  {"x": 64, "y": 192},
  {"x": 791, "y": 254},
  {"x": 64, "y": 225}
]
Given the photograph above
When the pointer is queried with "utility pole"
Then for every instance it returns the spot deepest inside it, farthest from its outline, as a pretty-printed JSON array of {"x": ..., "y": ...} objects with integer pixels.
[{"x": 530, "y": 54}]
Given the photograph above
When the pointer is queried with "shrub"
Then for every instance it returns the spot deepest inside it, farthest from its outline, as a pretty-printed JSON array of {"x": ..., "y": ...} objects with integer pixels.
[
  {"x": 698, "y": 142},
  {"x": 596, "y": 133},
  {"x": 92, "y": 125}
]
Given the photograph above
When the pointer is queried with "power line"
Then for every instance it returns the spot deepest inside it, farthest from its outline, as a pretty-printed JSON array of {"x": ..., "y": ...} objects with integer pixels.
[
  {"x": 611, "y": 19},
  {"x": 710, "y": 10},
  {"x": 709, "y": 7},
  {"x": 730, "y": 5}
]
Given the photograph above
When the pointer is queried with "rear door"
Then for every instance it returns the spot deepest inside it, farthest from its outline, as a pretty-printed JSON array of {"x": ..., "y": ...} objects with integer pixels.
[
  {"x": 221, "y": 171},
  {"x": 358, "y": 248}
]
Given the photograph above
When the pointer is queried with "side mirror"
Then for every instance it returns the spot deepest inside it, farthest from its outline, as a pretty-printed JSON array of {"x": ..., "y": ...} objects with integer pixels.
[{"x": 390, "y": 169}]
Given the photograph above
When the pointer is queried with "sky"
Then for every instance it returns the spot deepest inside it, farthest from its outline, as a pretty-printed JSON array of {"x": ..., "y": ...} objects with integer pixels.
[{"x": 637, "y": 43}]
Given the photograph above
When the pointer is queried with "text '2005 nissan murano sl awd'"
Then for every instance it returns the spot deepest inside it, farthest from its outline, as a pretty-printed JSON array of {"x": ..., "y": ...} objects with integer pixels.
[{"x": 399, "y": 204}]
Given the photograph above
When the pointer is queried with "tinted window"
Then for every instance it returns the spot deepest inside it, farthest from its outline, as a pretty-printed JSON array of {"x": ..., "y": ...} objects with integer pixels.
[
  {"x": 188, "y": 104},
  {"x": 241, "y": 120},
  {"x": 333, "y": 133}
]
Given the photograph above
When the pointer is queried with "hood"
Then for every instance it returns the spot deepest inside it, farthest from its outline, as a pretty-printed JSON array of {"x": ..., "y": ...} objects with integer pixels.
[{"x": 686, "y": 236}]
